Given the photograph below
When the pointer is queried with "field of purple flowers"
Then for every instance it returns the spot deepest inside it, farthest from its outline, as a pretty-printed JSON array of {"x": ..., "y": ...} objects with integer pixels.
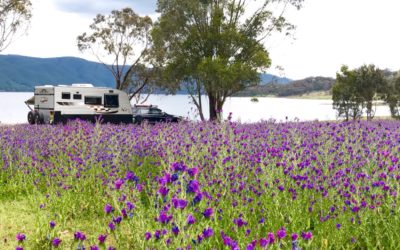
[{"x": 313, "y": 185}]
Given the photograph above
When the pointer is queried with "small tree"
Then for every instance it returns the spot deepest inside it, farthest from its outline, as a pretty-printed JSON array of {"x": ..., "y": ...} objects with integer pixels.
[
  {"x": 370, "y": 86},
  {"x": 14, "y": 15},
  {"x": 344, "y": 95},
  {"x": 393, "y": 95},
  {"x": 356, "y": 90},
  {"x": 124, "y": 37}
]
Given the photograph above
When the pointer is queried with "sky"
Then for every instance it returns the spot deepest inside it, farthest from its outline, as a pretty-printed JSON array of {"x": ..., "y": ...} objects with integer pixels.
[{"x": 329, "y": 33}]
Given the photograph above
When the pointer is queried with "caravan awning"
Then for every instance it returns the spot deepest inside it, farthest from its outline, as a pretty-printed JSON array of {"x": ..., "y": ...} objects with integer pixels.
[{"x": 30, "y": 101}]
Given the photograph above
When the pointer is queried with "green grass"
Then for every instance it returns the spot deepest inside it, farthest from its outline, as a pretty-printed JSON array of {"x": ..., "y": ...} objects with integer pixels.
[
  {"x": 15, "y": 216},
  {"x": 317, "y": 95}
]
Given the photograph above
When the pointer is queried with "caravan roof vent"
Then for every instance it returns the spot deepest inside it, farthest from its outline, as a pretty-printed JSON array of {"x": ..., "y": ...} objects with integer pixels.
[{"x": 82, "y": 85}]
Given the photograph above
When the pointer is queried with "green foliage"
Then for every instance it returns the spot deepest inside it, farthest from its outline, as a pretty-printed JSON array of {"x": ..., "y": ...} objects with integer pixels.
[
  {"x": 214, "y": 46},
  {"x": 298, "y": 87},
  {"x": 14, "y": 15},
  {"x": 355, "y": 90},
  {"x": 393, "y": 95},
  {"x": 119, "y": 35}
]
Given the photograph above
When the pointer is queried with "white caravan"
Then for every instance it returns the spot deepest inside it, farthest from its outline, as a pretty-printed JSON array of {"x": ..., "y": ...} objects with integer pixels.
[{"x": 57, "y": 104}]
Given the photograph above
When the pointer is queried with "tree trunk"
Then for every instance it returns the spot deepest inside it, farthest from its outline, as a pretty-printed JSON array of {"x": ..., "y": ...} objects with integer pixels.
[
  {"x": 213, "y": 107},
  {"x": 369, "y": 110},
  {"x": 200, "y": 103},
  {"x": 216, "y": 105}
]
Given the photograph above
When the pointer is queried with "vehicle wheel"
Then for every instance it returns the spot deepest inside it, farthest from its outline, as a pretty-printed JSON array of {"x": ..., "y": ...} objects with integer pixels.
[
  {"x": 138, "y": 120},
  {"x": 31, "y": 118},
  {"x": 38, "y": 118}
]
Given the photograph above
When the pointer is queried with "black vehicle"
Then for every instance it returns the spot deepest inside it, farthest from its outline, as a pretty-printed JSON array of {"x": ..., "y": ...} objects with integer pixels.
[{"x": 151, "y": 114}]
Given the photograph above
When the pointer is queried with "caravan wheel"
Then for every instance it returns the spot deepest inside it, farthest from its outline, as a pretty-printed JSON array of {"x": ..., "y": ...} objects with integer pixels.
[
  {"x": 31, "y": 118},
  {"x": 39, "y": 118}
]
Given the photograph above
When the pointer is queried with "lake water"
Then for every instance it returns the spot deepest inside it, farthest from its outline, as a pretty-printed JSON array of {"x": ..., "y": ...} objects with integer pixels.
[{"x": 14, "y": 110}]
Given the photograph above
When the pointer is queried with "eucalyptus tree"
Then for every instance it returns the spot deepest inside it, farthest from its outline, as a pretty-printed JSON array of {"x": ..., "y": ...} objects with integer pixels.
[
  {"x": 14, "y": 16},
  {"x": 344, "y": 95},
  {"x": 216, "y": 47},
  {"x": 393, "y": 95},
  {"x": 370, "y": 86},
  {"x": 122, "y": 37},
  {"x": 356, "y": 90}
]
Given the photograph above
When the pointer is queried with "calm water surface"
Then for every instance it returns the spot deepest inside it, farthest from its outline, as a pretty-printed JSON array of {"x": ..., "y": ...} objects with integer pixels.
[{"x": 14, "y": 110}]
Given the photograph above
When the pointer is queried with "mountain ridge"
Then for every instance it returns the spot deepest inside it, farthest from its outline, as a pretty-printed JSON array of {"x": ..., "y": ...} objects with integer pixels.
[{"x": 22, "y": 73}]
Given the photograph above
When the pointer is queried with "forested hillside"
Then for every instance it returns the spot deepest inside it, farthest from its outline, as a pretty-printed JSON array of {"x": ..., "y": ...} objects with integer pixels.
[
  {"x": 21, "y": 73},
  {"x": 298, "y": 87}
]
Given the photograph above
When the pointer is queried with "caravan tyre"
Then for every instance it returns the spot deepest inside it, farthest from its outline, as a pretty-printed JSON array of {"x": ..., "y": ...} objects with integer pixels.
[
  {"x": 39, "y": 118},
  {"x": 138, "y": 120},
  {"x": 31, "y": 118}
]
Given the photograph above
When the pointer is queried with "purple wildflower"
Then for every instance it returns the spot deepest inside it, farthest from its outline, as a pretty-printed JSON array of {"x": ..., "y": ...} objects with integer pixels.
[
  {"x": 157, "y": 234},
  {"x": 175, "y": 230},
  {"x": 124, "y": 213},
  {"x": 208, "y": 212},
  {"x": 263, "y": 242},
  {"x": 117, "y": 220},
  {"x": 164, "y": 218},
  {"x": 56, "y": 242},
  {"x": 79, "y": 236},
  {"x": 179, "y": 203},
  {"x": 306, "y": 235},
  {"x": 190, "y": 219},
  {"x": 147, "y": 235},
  {"x": 192, "y": 171},
  {"x": 52, "y": 224},
  {"x": 20, "y": 237},
  {"x": 130, "y": 176},
  {"x": 118, "y": 184},
  {"x": 111, "y": 226},
  {"x": 178, "y": 167},
  {"x": 250, "y": 247},
  {"x": 208, "y": 232},
  {"x": 271, "y": 238},
  {"x": 281, "y": 233},
  {"x": 192, "y": 186},
  {"x": 108, "y": 208},
  {"x": 163, "y": 191},
  {"x": 130, "y": 205},
  {"x": 239, "y": 222},
  {"x": 198, "y": 197},
  {"x": 102, "y": 238}
]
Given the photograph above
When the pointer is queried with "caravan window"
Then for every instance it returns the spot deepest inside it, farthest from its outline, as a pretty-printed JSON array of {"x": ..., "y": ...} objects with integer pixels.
[
  {"x": 65, "y": 95},
  {"x": 111, "y": 101},
  {"x": 77, "y": 97},
  {"x": 93, "y": 100}
]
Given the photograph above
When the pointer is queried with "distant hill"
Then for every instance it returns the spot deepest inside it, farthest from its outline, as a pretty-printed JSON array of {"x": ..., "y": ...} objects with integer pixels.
[
  {"x": 268, "y": 78},
  {"x": 22, "y": 73},
  {"x": 298, "y": 87}
]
